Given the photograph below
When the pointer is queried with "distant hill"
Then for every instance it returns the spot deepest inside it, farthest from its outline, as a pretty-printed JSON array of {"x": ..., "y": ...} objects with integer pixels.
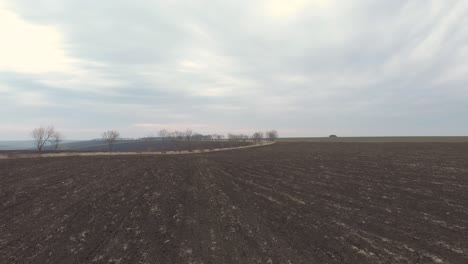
[
  {"x": 16, "y": 144},
  {"x": 22, "y": 144}
]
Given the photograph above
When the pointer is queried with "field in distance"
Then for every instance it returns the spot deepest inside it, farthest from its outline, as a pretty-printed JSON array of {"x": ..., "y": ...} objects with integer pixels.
[
  {"x": 285, "y": 203},
  {"x": 124, "y": 145},
  {"x": 375, "y": 139}
]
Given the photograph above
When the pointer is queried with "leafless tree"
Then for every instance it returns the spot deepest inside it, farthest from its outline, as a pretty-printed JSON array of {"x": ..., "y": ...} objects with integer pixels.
[
  {"x": 55, "y": 139},
  {"x": 244, "y": 138},
  {"x": 272, "y": 135},
  {"x": 147, "y": 141},
  {"x": 258, "y": 137},
  {"x": 232, "y": 137},
  {"x": 171, "y": 135},
  {"x": 238, "y": 137},
  {"x": 41, "y": 136},
  {"x": 179, "y": 135},
  {"x": 188, "y": 134},
  {"x": 110, "y": 137},
  {"x": 164, "y": 134}
]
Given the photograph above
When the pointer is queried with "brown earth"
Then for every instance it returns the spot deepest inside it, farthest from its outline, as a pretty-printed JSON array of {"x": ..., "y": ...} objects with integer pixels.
[
  {"x": 19, "y": 154},
  {"x": 284, "y": 203}
]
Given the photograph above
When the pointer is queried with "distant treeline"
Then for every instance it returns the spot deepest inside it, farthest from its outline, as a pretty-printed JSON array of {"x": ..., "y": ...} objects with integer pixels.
[{"x": 44, "y": 135}]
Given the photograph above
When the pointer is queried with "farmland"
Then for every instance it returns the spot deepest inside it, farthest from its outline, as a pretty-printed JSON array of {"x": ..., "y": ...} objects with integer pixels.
[
  {"x": 291, "y": 202},
  {"x": 418, "y": 139},
  {"x": 149, "y": 145}
]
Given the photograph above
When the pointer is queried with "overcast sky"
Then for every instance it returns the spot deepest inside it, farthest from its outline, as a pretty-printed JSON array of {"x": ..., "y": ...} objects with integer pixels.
[{"x": 305, "y": 68}]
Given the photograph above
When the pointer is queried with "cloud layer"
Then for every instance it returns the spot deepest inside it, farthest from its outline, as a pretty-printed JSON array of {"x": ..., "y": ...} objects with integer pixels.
[{"x": 305, "y": 68}]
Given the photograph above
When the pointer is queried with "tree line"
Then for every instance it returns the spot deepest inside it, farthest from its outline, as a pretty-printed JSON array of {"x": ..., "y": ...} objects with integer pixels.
[
  {"x": 189, "y": 135},
  {"x": 43, "y": 135}
]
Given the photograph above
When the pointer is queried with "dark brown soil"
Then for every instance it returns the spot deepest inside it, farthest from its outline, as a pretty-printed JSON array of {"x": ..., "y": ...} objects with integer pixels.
[{"x": 285, "y": 203}]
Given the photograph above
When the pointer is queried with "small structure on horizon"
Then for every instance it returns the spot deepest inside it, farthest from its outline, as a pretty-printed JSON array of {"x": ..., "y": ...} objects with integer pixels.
[{"x": 333, "y": 136}]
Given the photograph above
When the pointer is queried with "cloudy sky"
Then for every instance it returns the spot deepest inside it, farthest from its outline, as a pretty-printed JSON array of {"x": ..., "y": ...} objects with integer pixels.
[{"x": 305, "y": 68}]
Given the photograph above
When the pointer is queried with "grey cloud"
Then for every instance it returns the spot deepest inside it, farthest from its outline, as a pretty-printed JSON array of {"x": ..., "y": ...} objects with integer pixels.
[{"x": 358, "y": 68}]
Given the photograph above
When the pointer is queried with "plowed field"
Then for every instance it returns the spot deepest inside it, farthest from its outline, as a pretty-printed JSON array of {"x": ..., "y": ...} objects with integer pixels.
[{"x": 284, "y": 203}]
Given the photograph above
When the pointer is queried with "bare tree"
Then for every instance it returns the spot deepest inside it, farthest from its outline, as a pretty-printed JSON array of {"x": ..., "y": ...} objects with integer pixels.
[
  {"x": 171, "y": 135},
  {"x": 110, "y": 137},
  {"x": 41, "y": 136},
  {"x": 272, "y": 135},
  {"x": 188, "y": 134},
  {"x": 163, "y": 134},
  {"x": 232, "y": 137},
  {"x": 244, "y": 138},
  {"x": 147, "y": 141},
  {"x": 56, "y": 139},
  {"x": 179, "y": 135},
  {"x": 258, "y": 137}
]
